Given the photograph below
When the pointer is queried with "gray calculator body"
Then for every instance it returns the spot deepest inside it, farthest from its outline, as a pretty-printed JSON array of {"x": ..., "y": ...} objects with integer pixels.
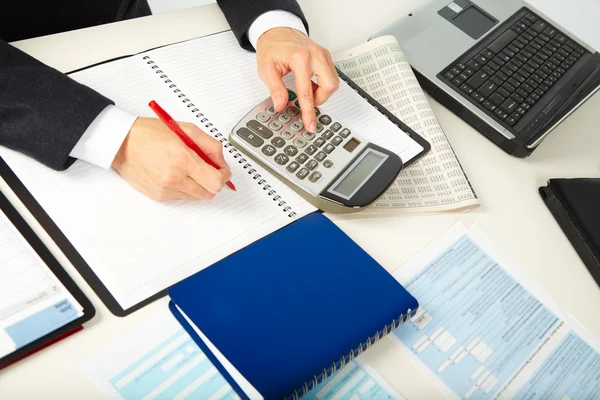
[{"x": 332, "y": 168}]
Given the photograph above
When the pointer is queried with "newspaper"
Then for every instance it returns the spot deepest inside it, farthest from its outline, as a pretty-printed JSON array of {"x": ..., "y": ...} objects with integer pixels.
[{"x": 434, "y": 183}]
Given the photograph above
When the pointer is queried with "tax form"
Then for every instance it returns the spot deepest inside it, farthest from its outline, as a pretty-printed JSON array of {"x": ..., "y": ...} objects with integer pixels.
[
  {"x": 485, "y": 331},
  {"x": 33, "y": 302},
  {"x": 159, "y": 360}
]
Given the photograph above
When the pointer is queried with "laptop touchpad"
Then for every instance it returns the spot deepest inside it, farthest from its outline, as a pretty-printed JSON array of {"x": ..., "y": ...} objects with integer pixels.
[{"x": 467, "y": 17}]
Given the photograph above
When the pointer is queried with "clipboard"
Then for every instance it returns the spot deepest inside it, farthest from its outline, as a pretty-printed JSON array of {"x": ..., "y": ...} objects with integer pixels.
[{"x": 88, "y": 311}]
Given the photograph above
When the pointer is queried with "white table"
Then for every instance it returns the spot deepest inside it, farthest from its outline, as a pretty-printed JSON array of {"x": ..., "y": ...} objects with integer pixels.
[{"x": 512, "y": 212}]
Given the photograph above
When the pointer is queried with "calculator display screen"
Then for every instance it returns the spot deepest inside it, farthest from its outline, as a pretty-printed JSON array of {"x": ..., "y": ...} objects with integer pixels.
[{"x": 359, "y": 173}]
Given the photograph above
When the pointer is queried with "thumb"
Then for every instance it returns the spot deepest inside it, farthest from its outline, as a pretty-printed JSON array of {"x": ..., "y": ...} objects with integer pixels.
[{"x": 274, "y": 82}]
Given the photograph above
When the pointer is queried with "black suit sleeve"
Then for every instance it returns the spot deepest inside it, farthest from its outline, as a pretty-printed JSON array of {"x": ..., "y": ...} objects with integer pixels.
[
  {"x": 43, "y": 113},
  {"x": 242, "y": 13}
]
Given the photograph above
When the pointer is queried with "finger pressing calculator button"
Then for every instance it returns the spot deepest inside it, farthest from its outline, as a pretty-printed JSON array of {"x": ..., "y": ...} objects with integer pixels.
[
  {"x": 259, "y": 128},
  {"x": 284, "y": 118},
  {"x": 319, "y": 142},
  {"x": 250, "y": 137},
  {"x": 281, "y": 159},
  {"x": 292, "y": 111},
  {"x": 278, "y": 142},
  {"x": 336, "y": 126},
  {"x": 325, "y": 119},
  {"x": 302, "y": 173},
  {"x": 269, "y": 150},
  {"x": 337, "y": 140},
  {"x": 290, "y": 151},
  {"x": 329, "y": 148},
  {"x": 327, "y": 134},
  {"x": 328, "y": 163},
  {"x": 293, "y": 166},
  {"x": 320, "y": 156},
  {"x": 297, "y": 126},
  {"x": 312, "y": 164},
  {"x": 302, "y": 158},
  {"x": 287, "y": 135},
  {"x": 308, "y": 135},
  {"x": 263, "y": 117},
  {"x": 271, "y": 110},
  {"x": 275, "y": 125},
  {"x": 310, "y": 150},
  {"x": 345, "y": 133},
  {"x": 291, "y": 95},
  {"x": 319, "y": 128},
  {"x": 299, "y": 142},
  {"x": 315, "y": 176}
]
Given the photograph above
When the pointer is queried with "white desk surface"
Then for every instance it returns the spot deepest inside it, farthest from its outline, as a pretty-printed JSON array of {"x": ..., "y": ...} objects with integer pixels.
[{"x": 512, "y": 212}]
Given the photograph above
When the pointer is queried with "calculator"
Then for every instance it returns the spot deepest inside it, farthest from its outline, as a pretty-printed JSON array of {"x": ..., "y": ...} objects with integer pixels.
[{"x": 333, "y": 168}]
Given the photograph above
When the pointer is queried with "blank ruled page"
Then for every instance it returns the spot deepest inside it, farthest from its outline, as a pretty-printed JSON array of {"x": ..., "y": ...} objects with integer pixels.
[{"x": 136, "y": 246}]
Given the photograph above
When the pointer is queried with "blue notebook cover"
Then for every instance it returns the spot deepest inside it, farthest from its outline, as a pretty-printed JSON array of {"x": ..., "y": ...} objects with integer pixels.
[{"x": 286, "y": 308}]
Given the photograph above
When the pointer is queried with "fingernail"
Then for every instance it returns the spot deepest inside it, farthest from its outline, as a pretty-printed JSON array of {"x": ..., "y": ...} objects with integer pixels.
[
  {"x": 312, "y": 127},
  {"x": 278, "y": 101}
]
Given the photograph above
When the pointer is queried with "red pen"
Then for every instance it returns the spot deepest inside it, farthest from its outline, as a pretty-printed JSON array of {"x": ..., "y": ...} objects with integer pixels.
[{"x": 174, "y": 126}]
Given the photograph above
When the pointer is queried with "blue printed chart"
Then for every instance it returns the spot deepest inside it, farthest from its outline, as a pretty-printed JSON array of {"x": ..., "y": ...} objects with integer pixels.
[
  {"x": 484, "y": 335},
  {"x": 160, "y": 361}
]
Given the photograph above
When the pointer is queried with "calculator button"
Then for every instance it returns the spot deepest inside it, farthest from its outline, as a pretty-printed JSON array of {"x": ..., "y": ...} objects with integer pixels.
[
  {"x": 269, "y": 150},
  {"x": 312, "y": 164},
  {"x": 263, "y": 117},
  {"x": 325, "y": 119},
  {"x": 291, "y": 95},
  {"x": 310, "y": 150},
  {"x": 293, "y": 166},
  {"x": 308, "y": 135},
  {"x": 327, "y": 134},
  {"x": 281, "y": 159},
  {"x": 275, "y": 125},
  {"x": 278, "y": 142},
  {"x": 302, "y": 158},
  {"x": 319, "y": 142},
  {"x": 287, "y": 135},
  {"x": 328, "y": 163},
  {"x": 290, "y": 151},
  {"x": 299, "y": 142},
  {"x": 302, "y": 173},
  {"x": 315, "y": 176},
  {"x": 292, "y": 111},
  {"x": 320, "y": 156},
  {"x": 337, "y": 140},
  {"x": 271, "y": 110},
  {"x": 250, "y": 137},
  {"x": 345, "y": 133},
  {"x": 336, "y": 126},
  {"x": 319, "y": 128},
  {"x": 297, "y": 126},
  {"x": 317, "y": 112},
  {"x": 284, "y": 118},
  {"x": 329, "y": 148},
  {"x": 259, "y": 128}
]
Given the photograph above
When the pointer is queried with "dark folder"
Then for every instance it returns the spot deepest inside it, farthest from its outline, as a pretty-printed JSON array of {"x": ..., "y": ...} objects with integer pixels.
[
  {"x": 575, "y": 204},
  {"x": 292, "y": 308}
]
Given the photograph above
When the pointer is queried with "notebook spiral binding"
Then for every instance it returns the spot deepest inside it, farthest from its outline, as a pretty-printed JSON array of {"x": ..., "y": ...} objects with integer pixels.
[
  {"x": 237, "y": 155},
  {"x": 327, "y": 372}
]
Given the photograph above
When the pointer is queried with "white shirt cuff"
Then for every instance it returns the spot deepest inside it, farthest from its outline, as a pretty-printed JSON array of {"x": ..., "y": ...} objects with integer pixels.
[
  {"x": 102, "y": 140},
  {"x": 273, "y": 19}
]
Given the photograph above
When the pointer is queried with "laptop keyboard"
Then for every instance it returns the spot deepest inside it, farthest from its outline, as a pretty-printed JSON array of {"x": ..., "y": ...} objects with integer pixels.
[{"x": 510, "y": 74}]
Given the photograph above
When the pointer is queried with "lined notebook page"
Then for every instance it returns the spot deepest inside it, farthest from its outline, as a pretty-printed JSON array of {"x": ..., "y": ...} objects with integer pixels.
[
  {"x": 137, "y": 246},
  {"x": 221, "y": 77}
]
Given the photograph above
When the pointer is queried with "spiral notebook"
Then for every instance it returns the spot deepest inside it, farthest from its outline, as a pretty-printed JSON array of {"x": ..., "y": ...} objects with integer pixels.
[
  {"x": 131, "y": 249},
  {"x": 277, "y": 321}
]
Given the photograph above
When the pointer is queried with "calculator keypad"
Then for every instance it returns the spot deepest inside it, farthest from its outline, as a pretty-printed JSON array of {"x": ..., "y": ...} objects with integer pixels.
[{"x": 301, "y": 153}]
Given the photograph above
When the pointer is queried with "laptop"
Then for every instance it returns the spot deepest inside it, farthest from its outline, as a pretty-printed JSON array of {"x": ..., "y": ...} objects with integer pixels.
[{"x": 504, "y": 68}]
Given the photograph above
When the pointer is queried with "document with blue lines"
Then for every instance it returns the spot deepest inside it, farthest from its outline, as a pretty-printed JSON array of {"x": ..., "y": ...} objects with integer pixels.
[
  {"x": 485, "y": 331},
  {"x": 160, "y": 360}
]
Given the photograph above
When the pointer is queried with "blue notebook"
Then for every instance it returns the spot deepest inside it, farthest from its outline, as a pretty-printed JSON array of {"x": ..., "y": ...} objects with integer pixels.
[{"x": 281, "y": 315}]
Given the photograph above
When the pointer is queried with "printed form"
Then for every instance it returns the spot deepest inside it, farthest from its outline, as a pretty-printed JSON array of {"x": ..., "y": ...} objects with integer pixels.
[
  {"x": 159, "y": 360},
  {"x": 485, "y": 331}
]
